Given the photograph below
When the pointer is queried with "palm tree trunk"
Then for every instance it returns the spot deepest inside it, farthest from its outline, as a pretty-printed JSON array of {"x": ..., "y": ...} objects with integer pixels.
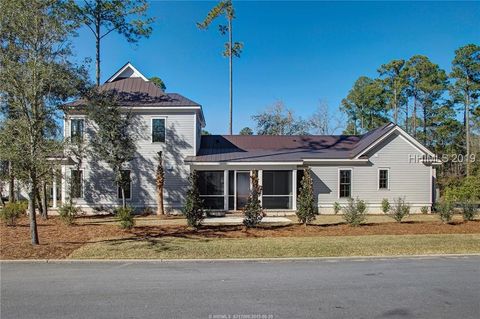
[{"x": 230, "y": 60}]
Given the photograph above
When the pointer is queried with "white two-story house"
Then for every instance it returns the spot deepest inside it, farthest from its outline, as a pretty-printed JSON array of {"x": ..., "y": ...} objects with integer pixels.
[{"x": 384, "y": 163}]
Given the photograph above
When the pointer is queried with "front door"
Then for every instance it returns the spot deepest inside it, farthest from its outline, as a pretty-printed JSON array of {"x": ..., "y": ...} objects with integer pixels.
[{"x": 243, "y": 189}]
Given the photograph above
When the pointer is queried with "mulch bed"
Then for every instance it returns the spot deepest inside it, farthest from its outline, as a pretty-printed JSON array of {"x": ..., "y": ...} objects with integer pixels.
[{"x": 58, "y": 240}]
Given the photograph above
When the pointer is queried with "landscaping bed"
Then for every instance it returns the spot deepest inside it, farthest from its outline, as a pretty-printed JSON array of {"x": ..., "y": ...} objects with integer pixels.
[{"x": 60, "y": 241}]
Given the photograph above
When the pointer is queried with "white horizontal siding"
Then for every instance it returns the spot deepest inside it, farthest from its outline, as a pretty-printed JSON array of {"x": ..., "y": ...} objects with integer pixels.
[
  {"x": 98, "y": 177},
  {"x": 408, "y": 179}
]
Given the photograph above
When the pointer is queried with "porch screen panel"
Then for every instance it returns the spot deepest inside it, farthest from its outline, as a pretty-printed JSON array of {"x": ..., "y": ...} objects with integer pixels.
[
  {"x": 277, "y": 189},
  {"x": 210, "y": 186}
]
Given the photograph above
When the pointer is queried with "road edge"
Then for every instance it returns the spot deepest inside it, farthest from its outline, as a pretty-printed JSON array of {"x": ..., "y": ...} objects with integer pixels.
[{"x": 227, "y": 260}]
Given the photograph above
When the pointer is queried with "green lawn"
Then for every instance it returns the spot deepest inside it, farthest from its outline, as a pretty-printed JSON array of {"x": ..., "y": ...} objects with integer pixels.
[{"x": 378, "y": 245}]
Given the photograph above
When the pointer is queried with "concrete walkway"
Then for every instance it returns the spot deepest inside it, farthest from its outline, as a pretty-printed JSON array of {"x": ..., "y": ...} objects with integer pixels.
[{"x": 233, "y": 220}]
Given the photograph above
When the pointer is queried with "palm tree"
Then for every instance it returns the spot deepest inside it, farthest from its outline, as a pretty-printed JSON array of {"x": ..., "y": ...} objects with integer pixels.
[
  {"x": 225, "y": 8},
  {"x": 160, "y": 180}
]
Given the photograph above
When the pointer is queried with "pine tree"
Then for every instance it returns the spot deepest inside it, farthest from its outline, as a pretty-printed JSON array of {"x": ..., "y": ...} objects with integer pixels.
[
  {"x": 306, "y": 209},
  {"x": 193, "y": 209},
  {"x": 253, "y": 210}
]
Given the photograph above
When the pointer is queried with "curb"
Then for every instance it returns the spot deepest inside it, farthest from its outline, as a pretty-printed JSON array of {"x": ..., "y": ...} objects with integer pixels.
[{"x": 223, "y": 260}]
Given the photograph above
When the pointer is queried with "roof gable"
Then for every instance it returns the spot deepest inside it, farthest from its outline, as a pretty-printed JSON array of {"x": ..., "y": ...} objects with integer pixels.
[
  {"x": 386, "y": 131},
  {"x": 125, "y": 72}
]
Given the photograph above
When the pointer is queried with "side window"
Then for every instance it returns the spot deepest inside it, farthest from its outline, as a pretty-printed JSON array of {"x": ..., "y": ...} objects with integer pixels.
[
  {"x": 76, "y": 184},
  {"x": 77, "y": 128},
  {"x": 128, "y": 185},
  {"x": 383, "y": 179},
  {"x": 345, "y": 183},
  {"x": 158, "y": 130}
]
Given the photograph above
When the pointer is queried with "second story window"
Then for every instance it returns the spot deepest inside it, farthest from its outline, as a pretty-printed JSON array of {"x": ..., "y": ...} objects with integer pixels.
[
  {"x": 77, "y": 129},
  {"x": 158, "y": 130}
]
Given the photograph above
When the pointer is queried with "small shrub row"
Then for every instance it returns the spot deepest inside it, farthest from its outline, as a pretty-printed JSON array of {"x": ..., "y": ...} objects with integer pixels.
[
  {"x": 399, "y": 210},
  {"x": 354, "y": 213}
]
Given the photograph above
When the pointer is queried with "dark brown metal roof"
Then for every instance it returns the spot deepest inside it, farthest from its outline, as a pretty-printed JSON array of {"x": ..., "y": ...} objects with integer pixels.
[
  {"x": 138, "y": 92},
  {"x": 274, "y": 148}
]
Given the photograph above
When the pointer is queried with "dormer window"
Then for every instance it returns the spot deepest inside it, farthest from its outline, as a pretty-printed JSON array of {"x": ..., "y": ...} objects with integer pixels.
[
  {"x": 158, "y": 130},
  {"x": 77, "y": 128}
]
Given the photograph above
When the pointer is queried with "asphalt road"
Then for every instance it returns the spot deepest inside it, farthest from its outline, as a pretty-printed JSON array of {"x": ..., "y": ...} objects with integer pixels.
[{"x": 442, "y": 287}]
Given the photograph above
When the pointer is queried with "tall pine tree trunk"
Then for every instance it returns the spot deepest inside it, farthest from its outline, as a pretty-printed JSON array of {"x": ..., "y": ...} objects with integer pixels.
[
  {"x": 395, "y": 111},
  {"x": 11, "y": 183},
  {"x": 414, "y": 117},
  {"x": 39, "y": 202},
  {"x": 407, "y": 127},
  {"x": 124, "y": 202},
  {"x": 97, "y": 49},
  {"x": 31, "y": 203},
  {"x": 45, "y": 200},
  {"x": 425, "y": 125},
  {"x": 467, "y": 128},
  {"x": 230, "y": 60}
]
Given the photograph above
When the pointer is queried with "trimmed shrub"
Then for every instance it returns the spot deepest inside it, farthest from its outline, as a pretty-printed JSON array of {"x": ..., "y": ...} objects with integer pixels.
[
  {"x": 253, "y": 212},
  {"x": 12, "y": 211},
  {"x": 385, "y": 205},
  {"x": 445, "y": 211},
  {"x": 125, "y": 216},
  {"x": 469, "y": 210},
  {"x": 67, "y": 213},
  {"x": 193, "y": 209},
  {"x": 399, "y": 210},
  {"x": 424, "y": 210},
  {"x": 336, "y": 208},
  {"x": 355, "y": 212},
  {"x": 306, "y": 209}
]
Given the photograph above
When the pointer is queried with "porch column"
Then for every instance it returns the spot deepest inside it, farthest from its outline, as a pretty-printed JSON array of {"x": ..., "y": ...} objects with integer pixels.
[
  {"x": 54, "y": 186},
  {"x": 63, "y": 187},
  {"x": 294, "y": 189},
  {"x": 225, "y": 190},
  {"x": 260, "y": 183}
]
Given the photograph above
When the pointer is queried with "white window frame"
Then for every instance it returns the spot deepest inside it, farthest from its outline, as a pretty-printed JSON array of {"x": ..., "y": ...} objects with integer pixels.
[
  {"x": 131, "y": 186},
  {"x": 351, "y": 181},
  {"x": 82, "y": 183},
  {"x": 84, "y": 125},
  {"x": 388, "y": 178},
  {"x": 151, "y": 129}
]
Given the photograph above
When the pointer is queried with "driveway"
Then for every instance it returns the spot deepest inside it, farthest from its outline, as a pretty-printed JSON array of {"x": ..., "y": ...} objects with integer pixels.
[{"x": 434, "y": 287}]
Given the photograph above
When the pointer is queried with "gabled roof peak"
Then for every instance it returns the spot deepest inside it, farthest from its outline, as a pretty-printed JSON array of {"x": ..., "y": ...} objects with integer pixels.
[{"x": 126, "y": 71}]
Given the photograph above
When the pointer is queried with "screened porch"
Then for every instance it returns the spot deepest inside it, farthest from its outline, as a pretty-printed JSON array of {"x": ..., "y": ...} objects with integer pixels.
[{"x": 228, "y": 190}]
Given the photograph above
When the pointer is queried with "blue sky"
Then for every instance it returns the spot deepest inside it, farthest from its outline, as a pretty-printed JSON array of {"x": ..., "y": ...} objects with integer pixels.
[{"x": 297, "y": 52}]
